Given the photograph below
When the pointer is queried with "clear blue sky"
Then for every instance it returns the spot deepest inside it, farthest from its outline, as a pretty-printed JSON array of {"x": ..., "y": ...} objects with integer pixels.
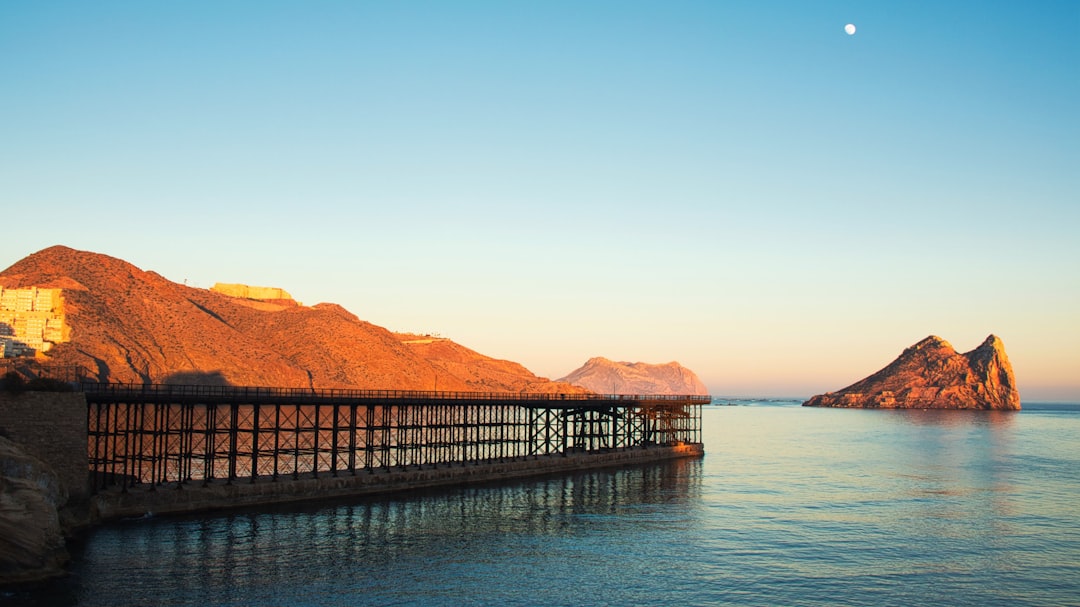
[{"x": 738, "y": 186}]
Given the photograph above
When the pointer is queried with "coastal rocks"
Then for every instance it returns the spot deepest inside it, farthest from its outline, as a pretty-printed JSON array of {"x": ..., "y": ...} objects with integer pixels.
[
  {"x": 932, "y": 375},
  {"x": 609, "y": 377},
  {"x": 31, "y": 535}
]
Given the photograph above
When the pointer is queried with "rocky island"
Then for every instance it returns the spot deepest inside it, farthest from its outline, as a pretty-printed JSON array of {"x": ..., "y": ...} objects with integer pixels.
[{"x": 932, "y": 375}]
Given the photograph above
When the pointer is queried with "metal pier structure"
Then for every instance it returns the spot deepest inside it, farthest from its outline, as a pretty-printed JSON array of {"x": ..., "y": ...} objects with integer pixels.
[{"x": 153, "y": 435}]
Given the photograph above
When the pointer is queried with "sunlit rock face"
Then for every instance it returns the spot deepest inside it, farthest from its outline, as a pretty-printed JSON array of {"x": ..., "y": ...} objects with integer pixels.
[
  {"x": 609, "y": 377},
  {"x": 131, "y": 325},
  {"x": 932, "y": 375}
]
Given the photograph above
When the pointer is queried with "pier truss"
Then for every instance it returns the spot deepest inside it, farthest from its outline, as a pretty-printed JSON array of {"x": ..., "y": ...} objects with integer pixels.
[{"x": 143, "y": 434}]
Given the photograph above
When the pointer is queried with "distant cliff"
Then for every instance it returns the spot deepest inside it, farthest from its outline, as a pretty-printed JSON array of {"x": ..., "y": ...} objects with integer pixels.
[
  {"x": 932, "y": 375},
  {"x": 610, "y": 377}
]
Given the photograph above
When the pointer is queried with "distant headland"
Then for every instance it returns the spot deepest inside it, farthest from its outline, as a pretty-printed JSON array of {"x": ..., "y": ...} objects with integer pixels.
[{"x": 606, "y": 376}]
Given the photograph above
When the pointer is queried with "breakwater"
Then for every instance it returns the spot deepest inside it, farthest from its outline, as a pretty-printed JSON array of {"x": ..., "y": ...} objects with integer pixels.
[{"x": 163, "y": 448}]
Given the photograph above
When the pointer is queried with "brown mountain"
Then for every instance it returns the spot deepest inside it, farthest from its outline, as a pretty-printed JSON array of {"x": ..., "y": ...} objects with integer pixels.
[
  {"x": 609, "y": 377},
  {"x": 479, "y": 372},
  {"x": 130, "y": 325},
  {"x": 932, "y": 375}
]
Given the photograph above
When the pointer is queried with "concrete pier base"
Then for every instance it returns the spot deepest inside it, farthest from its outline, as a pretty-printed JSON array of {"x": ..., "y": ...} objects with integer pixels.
[{"x": 217, "y": 495}]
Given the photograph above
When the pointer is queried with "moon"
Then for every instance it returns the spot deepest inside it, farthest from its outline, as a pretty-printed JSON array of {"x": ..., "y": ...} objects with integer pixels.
[{"x": 850, "y": 29}]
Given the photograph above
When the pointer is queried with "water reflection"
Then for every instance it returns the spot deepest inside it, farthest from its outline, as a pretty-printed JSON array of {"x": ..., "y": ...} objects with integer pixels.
[
  {"x": 946, "y": 417},
  {"x": 240, "y": 557},
  {"x": 791, "y": 506},
  {"x": 928, "y": 496},
  {"x": 961, "y": 454}
]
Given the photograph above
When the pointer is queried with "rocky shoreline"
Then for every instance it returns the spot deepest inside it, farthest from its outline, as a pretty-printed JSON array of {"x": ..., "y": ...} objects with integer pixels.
[{"x": 33, "y": 522}]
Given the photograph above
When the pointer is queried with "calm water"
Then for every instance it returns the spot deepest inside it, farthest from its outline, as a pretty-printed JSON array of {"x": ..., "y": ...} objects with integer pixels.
[{"x": 791, "y": 506}]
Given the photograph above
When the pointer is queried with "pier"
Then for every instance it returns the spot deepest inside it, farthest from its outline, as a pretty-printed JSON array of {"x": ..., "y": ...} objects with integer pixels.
[{"x": 182, "y": 448}]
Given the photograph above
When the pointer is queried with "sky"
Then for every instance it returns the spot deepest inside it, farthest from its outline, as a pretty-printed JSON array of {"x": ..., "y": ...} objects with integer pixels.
[{"x": 740, "y": 186}]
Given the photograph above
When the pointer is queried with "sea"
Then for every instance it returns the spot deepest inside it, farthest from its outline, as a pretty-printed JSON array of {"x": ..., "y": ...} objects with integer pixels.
[{"x": 789, "y": 506}]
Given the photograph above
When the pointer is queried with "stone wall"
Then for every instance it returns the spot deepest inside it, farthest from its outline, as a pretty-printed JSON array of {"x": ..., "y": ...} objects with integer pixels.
[
  {"x": 50, "y": 426},
  {"x": 250, "y": 292}
]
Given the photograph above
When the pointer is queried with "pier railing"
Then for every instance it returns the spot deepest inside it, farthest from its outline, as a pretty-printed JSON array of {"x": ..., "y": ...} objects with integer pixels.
[{"x": 144, "y": 434}]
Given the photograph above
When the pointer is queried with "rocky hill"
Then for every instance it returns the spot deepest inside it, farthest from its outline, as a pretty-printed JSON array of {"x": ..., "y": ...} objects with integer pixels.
[
  {"x": 609, "y": 377},
  {"x": 479, "y": 372},
  {"x": 130, "y": 325},
  {"x": 932, "y": 375}
]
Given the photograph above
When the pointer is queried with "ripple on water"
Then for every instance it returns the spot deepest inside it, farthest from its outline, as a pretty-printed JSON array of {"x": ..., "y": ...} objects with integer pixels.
[{"x": 791, "y": 506}]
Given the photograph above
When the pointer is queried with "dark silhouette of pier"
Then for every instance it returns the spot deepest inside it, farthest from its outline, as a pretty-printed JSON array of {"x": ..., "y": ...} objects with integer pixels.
[{"x": 153, "y": 435}]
